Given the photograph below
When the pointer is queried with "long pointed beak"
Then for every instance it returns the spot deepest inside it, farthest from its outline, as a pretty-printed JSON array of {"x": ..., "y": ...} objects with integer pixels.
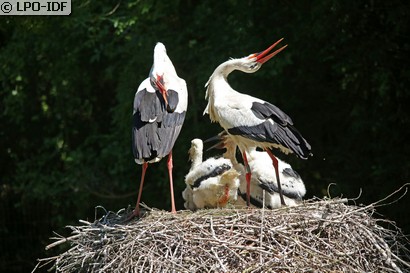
[
  {"x": 214, "y": 138},
  {"x": 262, "y": 57},
  {"x": 220, "y": 144},
  {"x": 161, "y": 88}
]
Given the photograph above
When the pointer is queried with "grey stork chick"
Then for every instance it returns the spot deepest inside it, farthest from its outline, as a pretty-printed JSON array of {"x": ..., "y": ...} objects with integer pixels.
[{"x": 211, "y": 183}]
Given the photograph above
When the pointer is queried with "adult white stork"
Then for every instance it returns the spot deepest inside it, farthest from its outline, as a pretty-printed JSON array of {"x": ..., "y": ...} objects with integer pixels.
[
  {"x": 159, "y": 111},
  {"x": 250, "y": 121},
  {"x": 263, "y": 176},
  {"x": 211, "y": 183}
]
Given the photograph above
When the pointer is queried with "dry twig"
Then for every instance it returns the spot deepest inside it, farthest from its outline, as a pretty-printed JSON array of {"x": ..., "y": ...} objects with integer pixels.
[{"x": 316, "y": 236}]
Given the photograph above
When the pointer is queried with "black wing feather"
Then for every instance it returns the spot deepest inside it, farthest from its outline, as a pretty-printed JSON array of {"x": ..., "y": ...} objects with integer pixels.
[
  {"x": 149, "y": 105},
  {"x": 173, "y": 99},
  {"x": 281, "y": 131},
  {"x": 272, "y": 188},
  {"x": 268, "y": 110},
  {"x": 291, "y": 173},
  {"x": 215, "y": 172},
  {"x": 155, "y": 130}
]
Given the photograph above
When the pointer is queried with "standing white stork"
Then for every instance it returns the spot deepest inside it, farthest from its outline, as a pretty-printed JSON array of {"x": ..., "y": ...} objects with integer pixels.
[
  {"x": 159, "y": 111},
  {"x": 211, "y": 183},
  {"x": 250, "y": 121}
]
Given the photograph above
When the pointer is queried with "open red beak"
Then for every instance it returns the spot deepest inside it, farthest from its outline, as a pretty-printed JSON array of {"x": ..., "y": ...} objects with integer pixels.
[
  {"x": 161, "y": 87},
  {"x": 262, "y": 57}
]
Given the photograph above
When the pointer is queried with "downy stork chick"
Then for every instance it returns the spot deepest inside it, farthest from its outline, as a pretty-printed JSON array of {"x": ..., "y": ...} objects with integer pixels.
[{"x": 212, "y": 183}]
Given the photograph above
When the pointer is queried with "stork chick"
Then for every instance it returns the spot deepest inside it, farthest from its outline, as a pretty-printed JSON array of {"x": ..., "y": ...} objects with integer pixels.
[{"x": 211, "y": 183}]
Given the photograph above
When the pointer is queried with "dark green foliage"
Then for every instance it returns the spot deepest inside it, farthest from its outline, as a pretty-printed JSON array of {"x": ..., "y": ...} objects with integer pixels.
[{"x": 67, "y": 85}]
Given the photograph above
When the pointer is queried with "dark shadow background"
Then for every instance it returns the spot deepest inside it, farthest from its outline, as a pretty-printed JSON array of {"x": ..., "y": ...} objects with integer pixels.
[{"x": 67, "y": 85}]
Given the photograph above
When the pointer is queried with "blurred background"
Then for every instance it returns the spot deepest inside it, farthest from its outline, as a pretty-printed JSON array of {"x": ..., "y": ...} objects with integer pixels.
[{"x": 67, "y": 85}]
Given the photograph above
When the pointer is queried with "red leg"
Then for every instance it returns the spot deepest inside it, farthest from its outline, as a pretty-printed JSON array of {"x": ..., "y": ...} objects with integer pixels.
[
  {"x": 248, "y": 176},
  {"x": 171, "y": 184},
  {"x": 276, "y": 166},
  {"x": 137, "y": 207}
]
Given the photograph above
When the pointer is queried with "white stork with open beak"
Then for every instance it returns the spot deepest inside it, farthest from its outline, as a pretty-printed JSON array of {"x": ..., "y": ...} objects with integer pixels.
[
  {"x": 250, "y": 121},
  {"x": 211, "y": 183},
  {"x": 160, "y": 106}
]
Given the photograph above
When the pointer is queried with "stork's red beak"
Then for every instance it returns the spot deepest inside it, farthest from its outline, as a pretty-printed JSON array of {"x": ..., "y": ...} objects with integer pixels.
[
  {"x": 262, "y": 57},
  {"x": 161, "y": 87}
]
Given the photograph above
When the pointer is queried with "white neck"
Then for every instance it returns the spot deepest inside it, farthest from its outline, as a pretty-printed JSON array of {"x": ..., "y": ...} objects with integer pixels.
[
  {"x": 218, "y": 87},
  {"x": 195, "y": 154},
  {"x": 223, "y": 70},
  {"x": 196, "y": 159}
]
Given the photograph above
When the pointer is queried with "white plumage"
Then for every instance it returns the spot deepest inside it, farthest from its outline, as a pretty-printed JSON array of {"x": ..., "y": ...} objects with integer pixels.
[
  {"x": 211, "y": 183},
  {"x": 263, "y": 177},
  {"x": 250, "y": 121},
  {"x": 159, "y": 110}
]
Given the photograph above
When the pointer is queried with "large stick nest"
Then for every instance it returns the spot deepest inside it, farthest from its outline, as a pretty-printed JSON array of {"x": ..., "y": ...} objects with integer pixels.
[{"x": 316, "y": 236}]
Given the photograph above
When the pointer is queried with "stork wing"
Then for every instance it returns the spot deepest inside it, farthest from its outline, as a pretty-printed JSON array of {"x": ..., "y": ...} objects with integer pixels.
[
  {"x": 173, "y": 99},
  {"x": 272, "y": 188},
  {"x": 266, "y": 110},
  {"x": 289, "y": 172},
  {"x": 155, "y": 129},
  {"x": 149, "y": 105},
  {"x": 276, "y": 127},
  {"x": 156, "y": 138}
]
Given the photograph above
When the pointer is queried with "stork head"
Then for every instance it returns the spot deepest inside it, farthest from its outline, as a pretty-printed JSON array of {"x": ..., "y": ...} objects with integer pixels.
[
  {"x": 158, "y": 70},
  {"x": 253, "y": 62},
  {"x": 162, "y": 63},
  {"x": 196, "y": 147}
]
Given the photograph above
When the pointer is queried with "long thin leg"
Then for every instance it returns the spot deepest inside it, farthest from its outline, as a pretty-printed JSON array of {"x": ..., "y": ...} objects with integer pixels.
[
  {"x": 137, "y": 207},
  {"x": 276, "y": 166},
  {"x": 171, "y": 184},
  {"x": 248, "y": 176}
]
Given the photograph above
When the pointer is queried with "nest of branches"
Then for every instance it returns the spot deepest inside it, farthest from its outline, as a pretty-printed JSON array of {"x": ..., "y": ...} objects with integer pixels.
[{"x": 315, "y": 236}]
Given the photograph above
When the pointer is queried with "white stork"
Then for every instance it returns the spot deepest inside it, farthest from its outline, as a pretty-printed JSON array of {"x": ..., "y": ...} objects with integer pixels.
[
  {"x": 263, "y": 176},
  {"x": 250, "y": 121},
  {"x": 211, "y": 183},
  {"x": 160, "y": 105}
]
